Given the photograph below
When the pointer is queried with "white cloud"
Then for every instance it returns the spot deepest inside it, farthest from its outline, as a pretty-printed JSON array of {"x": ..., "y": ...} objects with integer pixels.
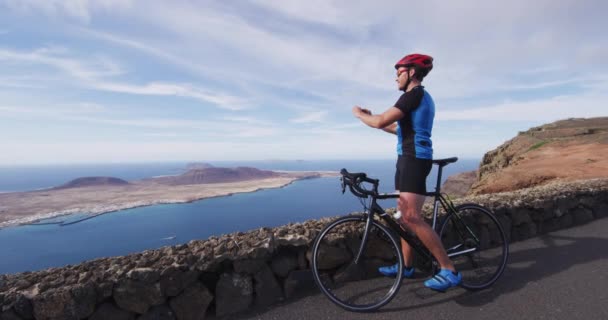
[
  {"x": 248, "y": 79},
  {"x": 253, "y": 132},
  {"x": 79, "y": 9},
  {"x": 53, "y": 110},
  {"x": 191, "y": 149},
  {"x": 540, "y": 85},
  {"x": 107, "y": 118},
  {"x": 337, "y": 14},
  {"x": 305, "y": 63},
  {"x": 157, "y": 51},
  {"x": 91, "y": 113},
  {"x": 91, "y": 67},
  {"x": 153, "y": 123},
  {"x": 238, "y": 121},
  {"x": 308, "y": 55},
  {"x": 316, "y": 116},
  {"x": 20, "y": 82},
  {"x": 548, "y": 110},
  {"x": 92, "y": 73},
  {"x": 180, "y": 90},
  {"x": 313, "y": 58},
  {"x": 162, "y": 135}
]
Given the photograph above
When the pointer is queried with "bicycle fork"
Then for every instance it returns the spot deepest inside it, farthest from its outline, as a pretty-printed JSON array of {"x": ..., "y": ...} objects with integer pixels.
[{"x": 366, "y": 232}]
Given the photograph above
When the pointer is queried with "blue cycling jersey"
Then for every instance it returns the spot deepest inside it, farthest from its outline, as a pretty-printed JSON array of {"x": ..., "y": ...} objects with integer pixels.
[{"x": 414, "y": 129}]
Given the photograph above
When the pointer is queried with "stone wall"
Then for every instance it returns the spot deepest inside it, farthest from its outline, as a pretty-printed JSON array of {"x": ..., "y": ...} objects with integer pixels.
[{"x": 229, "y": 274}]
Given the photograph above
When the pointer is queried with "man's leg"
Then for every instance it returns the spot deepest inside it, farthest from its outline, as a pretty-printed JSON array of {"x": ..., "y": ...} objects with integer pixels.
[
  {"x": 410, "y": 205},
  {"x": 408, "y": 268},
  {"x": 405, "y": 247}
]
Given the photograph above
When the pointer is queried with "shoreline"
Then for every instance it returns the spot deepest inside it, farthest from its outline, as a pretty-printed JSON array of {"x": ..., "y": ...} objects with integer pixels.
[{"x": 182, "y": 194}]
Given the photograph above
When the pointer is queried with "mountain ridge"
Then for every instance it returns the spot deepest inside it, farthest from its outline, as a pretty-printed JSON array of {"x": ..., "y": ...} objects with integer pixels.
[
  {"x": 197, "y": 174},
  {"x": 564, "y": 150}
]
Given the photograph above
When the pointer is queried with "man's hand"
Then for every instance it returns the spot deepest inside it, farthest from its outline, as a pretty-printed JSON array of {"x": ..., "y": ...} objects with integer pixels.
[
  {"x": 378, "y": 121},
  {"x": 358, "y": 111}
]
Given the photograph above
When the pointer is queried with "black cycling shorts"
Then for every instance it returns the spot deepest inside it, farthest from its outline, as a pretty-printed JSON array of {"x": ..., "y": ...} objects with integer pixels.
[{"x": 411, "y": 174}]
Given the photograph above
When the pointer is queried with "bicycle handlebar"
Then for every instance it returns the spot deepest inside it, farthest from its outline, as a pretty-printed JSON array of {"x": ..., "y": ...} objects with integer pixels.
[{"x": 354, "y": 180}]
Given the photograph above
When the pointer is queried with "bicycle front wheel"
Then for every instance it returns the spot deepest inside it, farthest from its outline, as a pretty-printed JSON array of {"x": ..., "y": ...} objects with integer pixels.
[
  {"x": 477, "y": 244},
  {"x": 356, "y": 285}
]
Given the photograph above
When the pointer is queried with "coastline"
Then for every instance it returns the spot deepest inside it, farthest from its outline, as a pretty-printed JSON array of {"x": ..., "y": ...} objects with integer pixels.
[{"x": 99, "y": 200}]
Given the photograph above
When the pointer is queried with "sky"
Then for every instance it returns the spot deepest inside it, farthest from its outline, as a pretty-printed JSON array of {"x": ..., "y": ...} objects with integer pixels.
[{"x": 113, "y": 81}]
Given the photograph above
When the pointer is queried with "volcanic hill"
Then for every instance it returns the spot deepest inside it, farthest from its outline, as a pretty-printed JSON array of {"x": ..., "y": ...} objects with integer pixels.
[
  {"x": 216, "y": 175},
  {"x": 565, "y": 150},
  {"x": 93, "y": 181}
]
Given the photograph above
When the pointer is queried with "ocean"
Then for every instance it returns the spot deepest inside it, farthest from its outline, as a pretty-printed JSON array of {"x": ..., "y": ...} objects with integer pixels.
[{"x": 36, "y": 247}]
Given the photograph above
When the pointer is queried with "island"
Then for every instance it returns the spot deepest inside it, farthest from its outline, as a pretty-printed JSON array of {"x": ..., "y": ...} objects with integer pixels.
[{"x": 98, "y": 195}]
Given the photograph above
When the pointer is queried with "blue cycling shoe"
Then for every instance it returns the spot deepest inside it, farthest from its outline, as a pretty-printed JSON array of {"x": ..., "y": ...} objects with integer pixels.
[
  {"x": 444, "y": 280},
  {"x": 391, "y": 271}
]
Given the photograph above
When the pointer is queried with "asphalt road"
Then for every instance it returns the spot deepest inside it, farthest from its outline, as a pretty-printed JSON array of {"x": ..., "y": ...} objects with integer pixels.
[{"x": 561, "y": 275}]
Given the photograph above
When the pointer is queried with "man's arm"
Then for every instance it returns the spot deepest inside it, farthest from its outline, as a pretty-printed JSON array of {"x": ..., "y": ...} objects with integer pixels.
[
  {"x": 391, "y": 128},
  {"x": 379, "y": 121}
]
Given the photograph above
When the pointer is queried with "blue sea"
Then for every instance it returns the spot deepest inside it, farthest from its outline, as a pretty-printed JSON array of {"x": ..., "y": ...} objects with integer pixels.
[{"x": 36, "y": 247}]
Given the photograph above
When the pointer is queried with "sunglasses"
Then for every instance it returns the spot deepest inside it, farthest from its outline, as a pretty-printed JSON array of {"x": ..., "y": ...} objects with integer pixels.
[{"x": 399, "y": 72}]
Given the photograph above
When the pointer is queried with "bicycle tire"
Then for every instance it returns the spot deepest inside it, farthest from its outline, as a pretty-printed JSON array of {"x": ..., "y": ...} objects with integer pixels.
[
  {"x": 357, "y": 287},
  {"x": 475, "y": 229}
]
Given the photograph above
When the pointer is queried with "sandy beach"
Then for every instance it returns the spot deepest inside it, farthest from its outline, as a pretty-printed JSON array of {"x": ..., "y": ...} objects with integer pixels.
[{"x": 19, "y": 208}]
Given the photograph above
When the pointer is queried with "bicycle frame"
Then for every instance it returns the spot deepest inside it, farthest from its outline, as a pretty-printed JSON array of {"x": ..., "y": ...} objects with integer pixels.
[{"x": 404, "y": 234}]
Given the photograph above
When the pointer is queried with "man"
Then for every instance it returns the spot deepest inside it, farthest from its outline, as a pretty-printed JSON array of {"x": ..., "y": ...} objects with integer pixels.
[{"x": 411, "y": 119}]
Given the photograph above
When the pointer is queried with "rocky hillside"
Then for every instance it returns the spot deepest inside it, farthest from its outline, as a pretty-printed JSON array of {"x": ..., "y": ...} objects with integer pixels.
[
  {"x": 459, "y": 184},
  {"x": 566, "y": 150}
]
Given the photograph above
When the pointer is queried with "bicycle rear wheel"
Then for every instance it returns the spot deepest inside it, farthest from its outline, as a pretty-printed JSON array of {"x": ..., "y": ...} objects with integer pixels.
[
  {"x": 356, "y": 285},
  {"x": 477, "y": 244}
]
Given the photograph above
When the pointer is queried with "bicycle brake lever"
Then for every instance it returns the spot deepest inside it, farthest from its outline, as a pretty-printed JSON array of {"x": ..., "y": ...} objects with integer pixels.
[{"x": 343, "y": 185}]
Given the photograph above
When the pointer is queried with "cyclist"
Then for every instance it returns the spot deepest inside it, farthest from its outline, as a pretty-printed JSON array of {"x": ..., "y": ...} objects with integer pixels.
[{"x": 411, "y": 119}]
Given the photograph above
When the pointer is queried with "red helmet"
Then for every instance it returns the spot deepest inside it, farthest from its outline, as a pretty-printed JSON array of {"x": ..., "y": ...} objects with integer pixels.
[{"x": 421, "y": 61}]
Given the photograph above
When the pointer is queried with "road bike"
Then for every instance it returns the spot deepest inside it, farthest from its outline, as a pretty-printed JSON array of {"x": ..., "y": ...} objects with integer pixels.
[{"x": 347, "y": 253}]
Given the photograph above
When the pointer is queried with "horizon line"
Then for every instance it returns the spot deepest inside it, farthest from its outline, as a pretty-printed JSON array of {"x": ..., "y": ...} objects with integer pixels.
[{"x": 4, "y": 165}]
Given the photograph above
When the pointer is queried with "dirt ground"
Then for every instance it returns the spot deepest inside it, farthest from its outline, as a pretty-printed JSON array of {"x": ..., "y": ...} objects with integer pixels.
[{"x": 565, "y": 161}]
